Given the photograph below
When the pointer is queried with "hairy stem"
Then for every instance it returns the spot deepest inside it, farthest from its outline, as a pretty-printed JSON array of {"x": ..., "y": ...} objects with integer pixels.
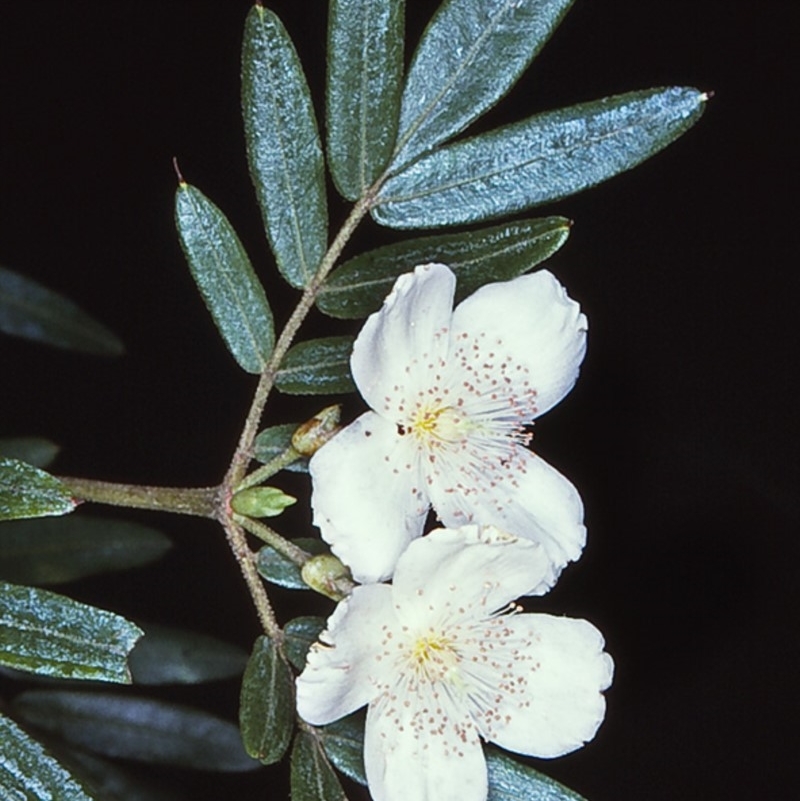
[{"x": 273, "y": 539}]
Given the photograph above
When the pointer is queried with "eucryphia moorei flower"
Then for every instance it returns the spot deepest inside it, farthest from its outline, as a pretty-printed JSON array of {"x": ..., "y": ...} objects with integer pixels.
[
  {"x": 442, "y": 659},
  {"x": 451, "y": 392}
]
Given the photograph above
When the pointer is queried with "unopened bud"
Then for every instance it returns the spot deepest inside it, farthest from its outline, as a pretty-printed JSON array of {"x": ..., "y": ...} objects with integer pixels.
[
  {"x": 314, "y": 433},
  {"x": 328, "y": 576},
  {"x": 261, "y": 502}
]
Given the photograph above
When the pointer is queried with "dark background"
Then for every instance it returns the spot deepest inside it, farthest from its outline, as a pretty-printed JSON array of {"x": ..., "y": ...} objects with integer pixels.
[{"x": 681, "y": 433}]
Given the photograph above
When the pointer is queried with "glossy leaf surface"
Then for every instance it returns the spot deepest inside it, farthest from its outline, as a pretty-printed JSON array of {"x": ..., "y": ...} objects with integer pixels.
[
  {"x": 226, "y": 280},
  {"x": 27, "y": 491},
  {"x": 300, "y": 633},
  {"x": 312, "y": 778},
  {"x": 279, "y": 569},
  {"x": 266, "y": 706},
  {"x": 470, "y": 55},
  {"x": 365, "y": 66},
  {"x": 273, "y": 441},
  {"x": 343, "y": 741},
  {"x": 510, "y": 781},
  {"x": 283, "y": 147},
  {"x": 176, "y": 656},
  {"x": 29, "y": 773},
  {"x": 317, "y": 367},
  {"x": 45, "y": 633},
  {"x": 38, "y": 451},
  {"x": 141, "y": 729},
  {"x": 538, "y": 160},
  {"x": 31, "y": 311},
  {"x": 61, "y": 549},
  {"x": 500, "y": 253}
]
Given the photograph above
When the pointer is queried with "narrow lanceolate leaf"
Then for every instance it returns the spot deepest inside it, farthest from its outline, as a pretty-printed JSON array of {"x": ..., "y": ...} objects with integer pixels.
[
  {"x": 48, "y": 634},
  {"x": 38, "y": 451},
  {"x": 538, "y": 160},
  {"x": 29, "y": 773},
  {"x": 279, "y": 569},
  {"x": 174, "y": 656},
  {"x": 31, "y": 311},
  {"x": 56, "y": 550},
  {"x": 470, "y": 55},
  {"x": 225, "y": 278},
  {"x": 359, "y": 286},
  {"x": 283, "y": 147},
  {"x": 510, "y": 781},
  {"x": 317, "y": 367},
  {"x": 26, "y": 491},
  {"x": 365, "y": 66},
  {"x": 141, "y": 729},
  {"x": 273, "y": 441},
  {"x": 343, "y": 741},
  {"x": 312, "y": 777},
  {"x": 266, "y": 705},
  {"x": 300, "y": 634}
]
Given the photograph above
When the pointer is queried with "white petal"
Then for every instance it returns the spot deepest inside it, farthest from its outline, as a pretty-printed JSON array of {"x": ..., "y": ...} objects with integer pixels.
[
  {"x": 464, "y": 573},
  {"x": 416, "y": 755},
  {"x": 368, "y": 497},
  {"x": 550, "y": 701},
  {"x": 532, "y": 500},
  {"x": 528, "y": 322},
  {"x": 394, "y": 348},
  {"x": 342, "y": 669}
]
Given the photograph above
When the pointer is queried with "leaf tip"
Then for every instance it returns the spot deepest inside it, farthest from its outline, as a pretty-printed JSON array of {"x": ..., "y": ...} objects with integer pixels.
[{"x": 181, "y": 182}]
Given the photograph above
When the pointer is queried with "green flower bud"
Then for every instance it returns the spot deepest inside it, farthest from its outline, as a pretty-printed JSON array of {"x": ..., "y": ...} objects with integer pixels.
[
  {"x": 261, "y": 502},
  {"x": 314, "y": 433},
  {"x": 328, "y": 576}
]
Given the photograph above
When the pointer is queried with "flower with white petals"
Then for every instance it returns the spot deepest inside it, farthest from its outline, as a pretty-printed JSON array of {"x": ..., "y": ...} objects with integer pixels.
[
  {"x": 451, "y": 392},
  {"x": 443, "y": 658}
]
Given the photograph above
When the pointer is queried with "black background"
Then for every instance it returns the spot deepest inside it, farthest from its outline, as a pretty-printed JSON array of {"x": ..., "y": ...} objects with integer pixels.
[{"x": 681, "y": 433}]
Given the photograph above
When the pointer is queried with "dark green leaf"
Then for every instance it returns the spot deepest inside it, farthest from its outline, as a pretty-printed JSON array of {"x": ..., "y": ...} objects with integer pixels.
[
  {"x": 29, "y": 310},
  {"x": 343, "y": 741},
  {"x": 317, "y": 367},
  {"x": 300, "y": 634},
  {"x": 26, "y": 491},
  {"x": 512, "y": 781},
  {"x": 29, "y": 773},
  {"x": 266, "y": 705},
  {"x": 60, "y": 549},
  {"x": 37, "y": 451},
  {"x": 283, "y": 147},
  {"x": 280, "y": 570},
  {"x": 538, "y": 160},
  {"x": 365, "y": 66},
  {"x": 225, "y": 278},
  {"x": 174, "y": 656},
  {"x": 51, "y": 635},
  {"x": 470, "y": 55},
  {"x": 359, "y": 286},
  {"x": 273, "y": 441},
  {"x": 136, "y": 728},
  {"x": 312, "y": 778}
]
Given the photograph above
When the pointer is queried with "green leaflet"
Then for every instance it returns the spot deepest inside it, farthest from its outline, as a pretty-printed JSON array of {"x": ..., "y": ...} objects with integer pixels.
[
  {"x": 538, "y": 160},
  {"x": 38, "y": 451},
  {"x": 510, "y": 781},
  {"x": 141, "y": 729},
  {"x": 60, "y": 549},
  {"x": 31, "y": 311},
  {"x": 175, "y": 656},
  {"x": 365, "y": 66},
  {"x": 26, "y": 491},
  {"x": 279, "y": 569},
  {"x": 300, "y": 634},
  {"x": 470, "y": 55},
  {"x": 29, "y": 773},
  {"x": 312, "y": 778},
  {"x": 266, "y": 705},
  {"x": 283, "y": 147},
  {"x": 500, "y": 253},
  {"x": 343, "y": 741},
  {"x": 48, "y": 634},
  {"x": 226, "y": 280},
  {"x": 317, "y": 367}
]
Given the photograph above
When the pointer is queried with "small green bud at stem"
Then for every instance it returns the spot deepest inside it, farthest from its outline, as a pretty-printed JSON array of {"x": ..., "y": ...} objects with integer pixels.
[
  {"x": 261, "y": 502},
  {"x": 328, "y": 576},
  {"x": 314, "y": 433}
]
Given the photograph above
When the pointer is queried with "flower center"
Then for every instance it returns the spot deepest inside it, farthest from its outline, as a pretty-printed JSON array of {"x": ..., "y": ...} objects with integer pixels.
[
  {"x": 433, "y": 426},
  {"x": 433, "y": 658}
]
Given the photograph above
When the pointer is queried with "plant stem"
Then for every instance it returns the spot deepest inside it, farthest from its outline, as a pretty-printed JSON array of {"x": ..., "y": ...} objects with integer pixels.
[
  {"x": 268, "y": 469},
  {"x": 200, "y": 501},
  {"x": 273, "y": 539}
]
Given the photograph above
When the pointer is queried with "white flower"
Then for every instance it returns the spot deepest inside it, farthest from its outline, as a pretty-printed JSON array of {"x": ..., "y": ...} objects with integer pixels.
[
  {"x": 451, "y": 394},
  {"x": 443, "y": 660}
]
